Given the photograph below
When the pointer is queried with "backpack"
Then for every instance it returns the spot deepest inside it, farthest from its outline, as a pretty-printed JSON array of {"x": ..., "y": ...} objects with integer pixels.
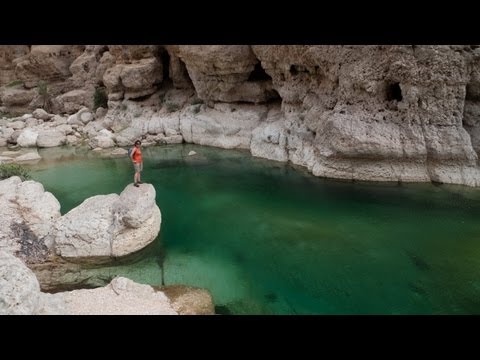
[{"x": 130, "y": 152}]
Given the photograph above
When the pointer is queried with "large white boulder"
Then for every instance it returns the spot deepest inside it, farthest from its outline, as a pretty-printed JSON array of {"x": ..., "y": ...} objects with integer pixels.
[
  {"x": 19, "y": 288},
  {"x": 20, "y": 295},
  {"x": 86, "y": 230},
  {"x": 27, "y": 138},
  {"x": 109, "y": 225},
  {"x": 30, "y": 156},
  {"x": 121, "y": 297},
  {"x": 41, "y": 114},
  {"x": 20, "y": 291},
  {"x": 50, "y": 138},
  {"x": 27, "y": 213},
  {"x": 104, "y": 140},
  {"x": 137, "y": 219}
]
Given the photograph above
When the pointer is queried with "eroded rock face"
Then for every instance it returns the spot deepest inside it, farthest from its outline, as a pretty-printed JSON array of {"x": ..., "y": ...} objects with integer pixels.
[
  {"x": 374, "y": 112},
  {"x": 74, "y": 100},
  {"x": 27, "y": 213},
  {"x": 102, "y": 226},
  {"x": 20, "y": 295},
  {"x": 129, "y": 53},
  {"x": 19, "y": 288},
  {"x": 20, "y": 292},
  {"x": 15, "y": 96},
  {"x": 108, "y": 225},
  {"x": 85, "y": 68},
  {"x": 471, "y": 112},
  {"x": 121, "y": 297},
  {"x": 137, "y": 219},
  {"x": 393, "y": 113},
  {"x": 269, "y": 139},
  {"x": 32, "y": 65},
  {"x": 227, "y": 126},
  {"x": 189, "y": 301},
  {"x": 225, "y": 73},
  {"x": 8, "y": 55},
  {"x": 46, "y": 62},
  {"x": 134, "y": 80},
  {"x": 85, "y": 230}
]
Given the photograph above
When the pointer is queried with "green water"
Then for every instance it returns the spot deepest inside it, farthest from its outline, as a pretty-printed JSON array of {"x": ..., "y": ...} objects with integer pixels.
[{"x": 265, "y": 238}]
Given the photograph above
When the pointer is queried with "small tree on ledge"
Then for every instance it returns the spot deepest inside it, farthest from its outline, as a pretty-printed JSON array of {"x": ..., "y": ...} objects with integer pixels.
[
  {"x": 100, "y": 98},
  {"x": 43, "y": 92}
]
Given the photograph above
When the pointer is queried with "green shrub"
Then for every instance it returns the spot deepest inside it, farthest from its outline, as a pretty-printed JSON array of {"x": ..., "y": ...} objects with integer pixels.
[
  {"x": 43, "y": 92},
  {"x": 196, "y": 101},
  {"x": 100, "y": 98},
  {"x": 196, "y": 109},
  {"x": 14, "y": 83},
  {"x": 171, "y": 107},
  {"x": 6, "y": 114},
  {"x": 8, "y": 170},
  {"x": 161, "y": 99},
  {"x": 42, "y": 88}
]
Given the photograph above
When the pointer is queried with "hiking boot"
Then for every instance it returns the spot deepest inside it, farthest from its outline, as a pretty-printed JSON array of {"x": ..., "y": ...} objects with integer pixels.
[{"x": 136, "y": 185}]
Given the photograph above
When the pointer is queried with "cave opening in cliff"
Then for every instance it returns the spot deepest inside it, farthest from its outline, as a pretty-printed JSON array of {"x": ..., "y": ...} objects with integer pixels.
[
  {"x": 273, "y": 97},
  {"x": 259, "y": 74},
  {"x": 186, "y": 75},
  {"x": 140, "y": 98},
  {"x": 394, "y": 92},
  {"x": 472, "y": 93},
  {"x": 296, "y": 69},
  {"x": 293, "y": 70},
  {"x": 165, "y": 57}
]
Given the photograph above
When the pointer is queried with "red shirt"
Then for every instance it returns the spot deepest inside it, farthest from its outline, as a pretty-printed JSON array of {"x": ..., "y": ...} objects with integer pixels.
[{"x": 137, "y": 155}]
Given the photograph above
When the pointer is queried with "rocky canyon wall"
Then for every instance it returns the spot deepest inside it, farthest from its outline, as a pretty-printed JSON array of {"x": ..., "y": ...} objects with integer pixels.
[{"x": 386, "y": 113}]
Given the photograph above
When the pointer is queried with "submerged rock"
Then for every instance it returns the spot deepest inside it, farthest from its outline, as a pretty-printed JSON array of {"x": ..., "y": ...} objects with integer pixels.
[
  {"x": 189, "y": 301},
  {"x": 121, "y": 297},
  {"x": 20, "y": 295}
]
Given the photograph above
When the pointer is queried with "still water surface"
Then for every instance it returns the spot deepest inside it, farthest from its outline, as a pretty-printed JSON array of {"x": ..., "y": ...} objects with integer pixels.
[{"x": 266, "y": 238}]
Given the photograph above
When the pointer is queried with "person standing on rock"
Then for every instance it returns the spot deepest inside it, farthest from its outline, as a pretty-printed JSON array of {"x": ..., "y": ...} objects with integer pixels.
[{"x": 136, "y": 156}]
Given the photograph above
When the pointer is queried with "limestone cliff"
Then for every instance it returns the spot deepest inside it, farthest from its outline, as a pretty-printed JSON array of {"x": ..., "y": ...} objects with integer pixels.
[{"x": 394, "y": 113}]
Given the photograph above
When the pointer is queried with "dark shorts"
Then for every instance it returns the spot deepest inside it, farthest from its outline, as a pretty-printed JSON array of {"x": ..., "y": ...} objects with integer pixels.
[{"x": 138, "y": 166}]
